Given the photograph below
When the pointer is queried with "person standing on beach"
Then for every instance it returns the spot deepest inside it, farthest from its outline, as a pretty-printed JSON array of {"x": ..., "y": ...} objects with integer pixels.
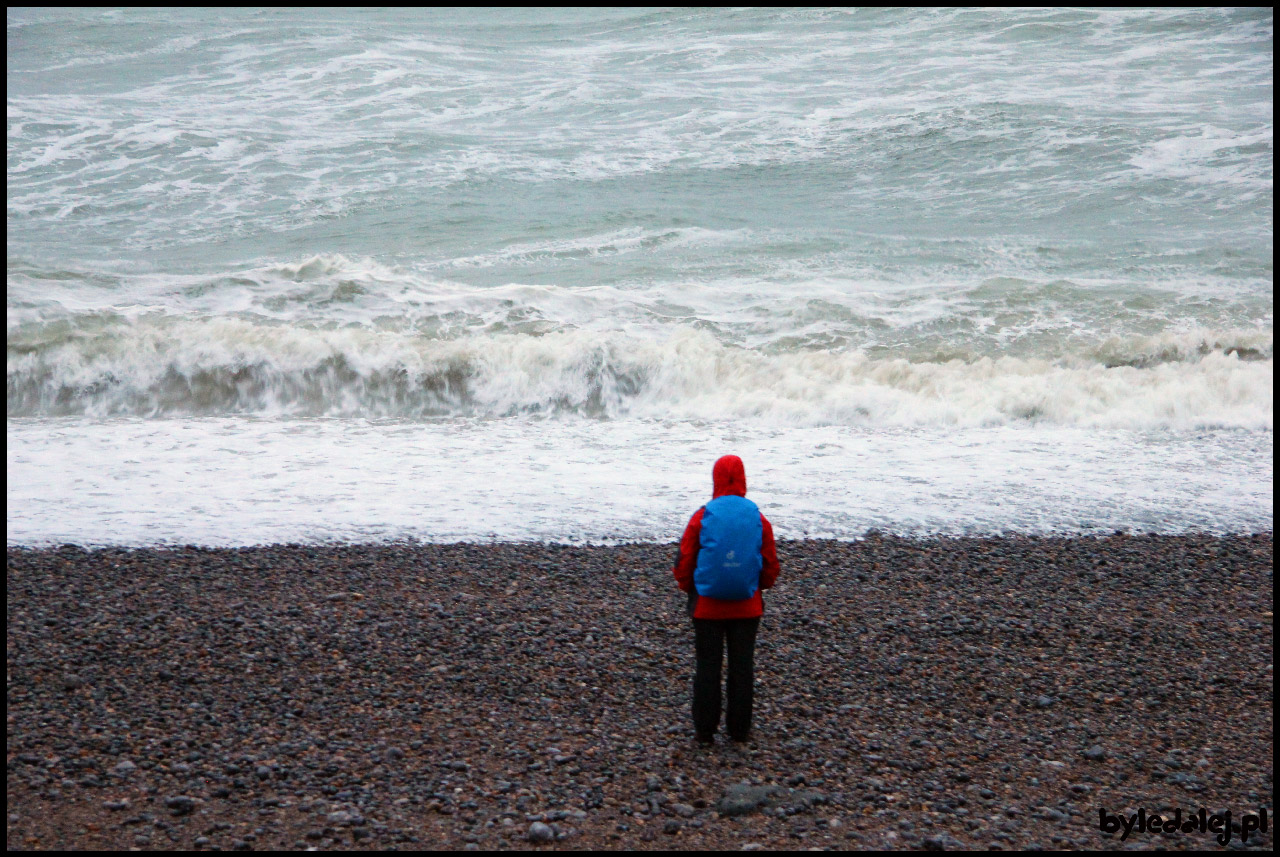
[{"x": 727, "y": 556}]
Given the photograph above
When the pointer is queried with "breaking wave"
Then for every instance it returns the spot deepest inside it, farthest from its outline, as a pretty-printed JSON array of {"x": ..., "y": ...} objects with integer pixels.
[{"x": 150, "y": 367}]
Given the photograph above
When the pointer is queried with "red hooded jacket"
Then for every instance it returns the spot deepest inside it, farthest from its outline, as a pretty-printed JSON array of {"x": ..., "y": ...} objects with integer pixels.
[{"x": 727, "y": 477}]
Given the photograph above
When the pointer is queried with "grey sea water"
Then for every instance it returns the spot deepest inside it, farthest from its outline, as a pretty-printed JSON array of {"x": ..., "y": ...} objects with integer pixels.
[{"x": 281, "y": 275}]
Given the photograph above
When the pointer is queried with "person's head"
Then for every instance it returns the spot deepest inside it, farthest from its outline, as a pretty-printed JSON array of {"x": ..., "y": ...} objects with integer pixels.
[{"x": 728, "y": 476}]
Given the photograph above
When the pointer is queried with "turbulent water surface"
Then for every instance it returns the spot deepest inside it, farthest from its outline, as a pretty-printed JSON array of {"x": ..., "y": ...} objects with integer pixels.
[{"x": 311, "y": 275}]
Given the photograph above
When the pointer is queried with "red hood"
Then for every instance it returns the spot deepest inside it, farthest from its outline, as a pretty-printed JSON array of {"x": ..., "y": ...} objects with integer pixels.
[{"x": 729, "y": 477}]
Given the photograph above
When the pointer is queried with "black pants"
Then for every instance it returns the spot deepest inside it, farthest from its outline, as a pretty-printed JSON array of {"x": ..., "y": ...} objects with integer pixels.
[{"x": 710, "y": 637}]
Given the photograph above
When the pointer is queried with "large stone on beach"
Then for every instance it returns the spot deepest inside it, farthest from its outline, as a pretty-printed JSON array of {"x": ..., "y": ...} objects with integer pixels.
[
  {"x": 180, "y": 804},
  {"x": 539, "y": 832},
  {"x": 744, "y": 798}
]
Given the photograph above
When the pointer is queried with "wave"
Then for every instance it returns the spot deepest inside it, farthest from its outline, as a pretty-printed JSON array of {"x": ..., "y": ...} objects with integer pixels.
[
  {"x": 116, "y": 143},
  {"x": 1183, "y": 346},
  {"x": 157, "y": 367},
  {"x": 920, "y": 315}
]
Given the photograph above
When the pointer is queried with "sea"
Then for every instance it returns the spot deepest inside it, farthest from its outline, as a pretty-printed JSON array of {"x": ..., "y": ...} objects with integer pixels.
[{"x": 349, "y": 275}]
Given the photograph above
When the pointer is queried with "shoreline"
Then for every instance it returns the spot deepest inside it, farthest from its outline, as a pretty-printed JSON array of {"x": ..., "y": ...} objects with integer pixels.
[
  {"x": 910, "y": 692},
  {"x": 611, "y": 542}
]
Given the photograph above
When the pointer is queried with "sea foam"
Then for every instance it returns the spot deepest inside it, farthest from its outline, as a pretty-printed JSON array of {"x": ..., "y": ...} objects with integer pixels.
[{"x": 167, "y": 367}]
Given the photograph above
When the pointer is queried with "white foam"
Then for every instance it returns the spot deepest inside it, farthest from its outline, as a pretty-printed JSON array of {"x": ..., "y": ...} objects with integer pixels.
[
  {"x": 615, "y": 242},
  {"x": 167, "y": 366},
  {"x": 1189, "y": 157},
  {"x": 235, "y": 482}
]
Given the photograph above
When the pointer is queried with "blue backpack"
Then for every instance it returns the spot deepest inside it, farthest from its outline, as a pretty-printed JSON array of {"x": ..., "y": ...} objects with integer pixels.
[{"x": 729, "y": 560}]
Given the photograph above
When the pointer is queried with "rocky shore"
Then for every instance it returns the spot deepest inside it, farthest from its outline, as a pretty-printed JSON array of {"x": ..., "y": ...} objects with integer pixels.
[{"x": 950, "y": 693}]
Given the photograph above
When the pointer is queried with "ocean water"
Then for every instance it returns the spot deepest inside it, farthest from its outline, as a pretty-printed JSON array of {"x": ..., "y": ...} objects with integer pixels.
[{"x": 334, "y": 275}]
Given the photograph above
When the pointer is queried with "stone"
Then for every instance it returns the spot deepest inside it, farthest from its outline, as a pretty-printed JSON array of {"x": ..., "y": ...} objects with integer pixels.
[
  {"x": 180, "y": 804},
  {"x": 123, "y": 768},
  {"x": 744, "y": 798}
]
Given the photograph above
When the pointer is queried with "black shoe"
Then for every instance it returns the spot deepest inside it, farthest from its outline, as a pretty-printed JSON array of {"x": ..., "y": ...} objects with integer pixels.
[
  {"x": 705, "y": 740},
  {"x": 740, "y": 739}
]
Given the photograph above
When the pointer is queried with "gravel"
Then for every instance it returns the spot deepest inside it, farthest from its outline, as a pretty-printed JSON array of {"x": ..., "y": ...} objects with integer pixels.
[{"x": 537, "y": 696}]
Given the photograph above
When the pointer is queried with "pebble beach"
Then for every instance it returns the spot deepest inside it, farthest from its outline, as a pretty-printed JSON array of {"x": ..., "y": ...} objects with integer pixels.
[{"x": 938, "y": 693}]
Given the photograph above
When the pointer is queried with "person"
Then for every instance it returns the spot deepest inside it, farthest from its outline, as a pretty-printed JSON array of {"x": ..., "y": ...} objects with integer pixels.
[{"x": 727, "y": 556}]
